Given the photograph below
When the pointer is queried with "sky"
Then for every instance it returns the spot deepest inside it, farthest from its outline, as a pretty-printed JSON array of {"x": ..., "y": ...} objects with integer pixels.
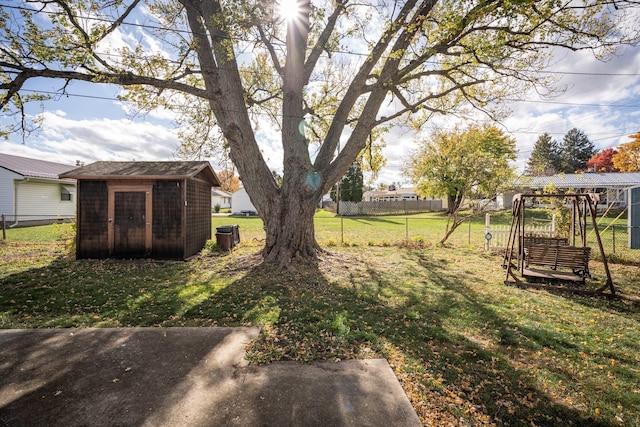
[{"x": 89, "y": 124}]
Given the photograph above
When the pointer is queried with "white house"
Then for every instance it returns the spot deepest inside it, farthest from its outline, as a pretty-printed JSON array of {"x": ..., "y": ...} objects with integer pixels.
[
  {"x": 392, "y": 194},
  {"x": 32, "y": 193},
  {"x": 220, "y": 198},
  {"x": 241, "y": 203}
]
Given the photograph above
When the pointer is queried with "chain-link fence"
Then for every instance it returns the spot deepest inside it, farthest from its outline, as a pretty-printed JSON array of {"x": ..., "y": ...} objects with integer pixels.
[
  {"x": 391, "y": 230},
  {"x": 394, "y": 230}
]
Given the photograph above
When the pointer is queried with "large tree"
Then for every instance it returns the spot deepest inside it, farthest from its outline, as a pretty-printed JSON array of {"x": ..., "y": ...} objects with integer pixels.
[
  {"x": 575, "y": 151},
  {"x": 462, "y": 163},
  {"x": 331, "y": 76},
  {"x": 628, "y": 157},
  {"x": 544, "y": 157}
]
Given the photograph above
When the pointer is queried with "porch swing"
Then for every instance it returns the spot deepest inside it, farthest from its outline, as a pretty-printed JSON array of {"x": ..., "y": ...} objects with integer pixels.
[{"x": 551, "y": 262}]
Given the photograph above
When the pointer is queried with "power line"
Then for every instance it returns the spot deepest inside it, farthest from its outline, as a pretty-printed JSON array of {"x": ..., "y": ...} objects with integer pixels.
[
  {"x": 578, "y": 73},
  {"x": 509, "y": 100}
]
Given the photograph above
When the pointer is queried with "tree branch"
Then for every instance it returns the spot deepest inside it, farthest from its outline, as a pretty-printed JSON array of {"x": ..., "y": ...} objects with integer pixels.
[
  {"x": 355, "y": 90},
  {"x": 123, "y": 79},
  {"x": 324, "y": 37},
  {"x": 271, "y": 49}
]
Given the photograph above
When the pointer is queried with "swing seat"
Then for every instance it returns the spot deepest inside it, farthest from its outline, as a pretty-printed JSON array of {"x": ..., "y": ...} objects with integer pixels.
[{"x": 556, "y": 260}]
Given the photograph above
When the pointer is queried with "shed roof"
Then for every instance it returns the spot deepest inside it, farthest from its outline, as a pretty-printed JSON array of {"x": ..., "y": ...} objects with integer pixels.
[
  {"x": 148, "y": 170},
  {"x": 582, "y": 180},
  {"x": 33, "y": 167}
]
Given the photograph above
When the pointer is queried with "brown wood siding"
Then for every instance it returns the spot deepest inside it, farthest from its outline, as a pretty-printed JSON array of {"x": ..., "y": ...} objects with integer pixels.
[
  {"x": 92, "y": 238},
  {"x": 167, "y": 220},
  {"x": 198, "y": 216}
]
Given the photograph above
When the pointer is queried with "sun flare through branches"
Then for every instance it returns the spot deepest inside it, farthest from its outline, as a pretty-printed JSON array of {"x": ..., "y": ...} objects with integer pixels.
[{"x": 289, "y": 10}]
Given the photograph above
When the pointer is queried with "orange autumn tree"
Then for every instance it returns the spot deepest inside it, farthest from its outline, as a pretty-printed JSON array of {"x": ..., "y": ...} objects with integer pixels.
[
  {"x": 628, "y": 157},
  {"x": 228, "y": 181},
  {"x": 603, "y": 161}
]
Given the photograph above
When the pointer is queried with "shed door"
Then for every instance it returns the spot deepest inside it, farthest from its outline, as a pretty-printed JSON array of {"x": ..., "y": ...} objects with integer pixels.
[{"x": 129, "y": 224}]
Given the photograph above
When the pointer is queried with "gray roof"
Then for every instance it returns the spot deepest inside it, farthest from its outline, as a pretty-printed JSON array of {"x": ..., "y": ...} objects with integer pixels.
[
  {"x": 149, "y": 170},
  {"x": 582, "y": 180},
  {"x": 33, "y": 167}
]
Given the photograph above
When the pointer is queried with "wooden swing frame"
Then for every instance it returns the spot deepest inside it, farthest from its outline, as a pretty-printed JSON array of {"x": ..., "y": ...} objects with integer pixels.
[{"x": 549, "y": 258}]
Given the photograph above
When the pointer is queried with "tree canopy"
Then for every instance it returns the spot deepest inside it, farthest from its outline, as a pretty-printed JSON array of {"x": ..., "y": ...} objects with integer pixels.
[
  {"x": 603, "y": 161},
  {"x": 628, "y": 157},
  {"x": 544, "y": 159},
  {"x": 461, "y": 163},
  {"x": 331, "y": 77},
  {"x": 575, "y": 151},
  {"x": 351, "y": 185},
  {"x": 570, "y": 156},
  {"x": 228, "y": 181}
]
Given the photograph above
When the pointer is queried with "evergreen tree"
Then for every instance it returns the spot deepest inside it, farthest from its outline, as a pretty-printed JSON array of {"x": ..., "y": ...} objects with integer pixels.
[
  {"x": 351, "y": 185},
  {"x": 575, "y": 151},
  {"x": 544, "y": 157}
]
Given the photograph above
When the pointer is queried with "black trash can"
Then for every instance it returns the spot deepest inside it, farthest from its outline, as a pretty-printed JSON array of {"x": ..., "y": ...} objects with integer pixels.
[{"x": 233, "y": 231}]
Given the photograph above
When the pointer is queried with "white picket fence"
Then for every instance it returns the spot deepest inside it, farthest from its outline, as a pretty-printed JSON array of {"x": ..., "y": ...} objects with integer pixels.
[{"x": 497, "y": 236}]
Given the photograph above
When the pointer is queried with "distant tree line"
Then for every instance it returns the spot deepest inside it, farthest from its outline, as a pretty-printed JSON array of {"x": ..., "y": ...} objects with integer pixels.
[{"x": 576, "y": 153}]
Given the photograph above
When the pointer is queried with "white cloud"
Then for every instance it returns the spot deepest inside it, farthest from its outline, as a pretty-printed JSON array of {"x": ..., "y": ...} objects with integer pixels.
[
  {"x": 64, "y": 140},
  {"x": 270, "y": 143}
]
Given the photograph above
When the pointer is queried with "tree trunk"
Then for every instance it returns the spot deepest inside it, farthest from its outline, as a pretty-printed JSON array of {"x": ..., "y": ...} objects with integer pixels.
[
  {"x": 453, "y": 202},
  {"x": 452, "y": 224},
  {"x": 290, "y": 232},
  {"x": 453, "y": 220}
]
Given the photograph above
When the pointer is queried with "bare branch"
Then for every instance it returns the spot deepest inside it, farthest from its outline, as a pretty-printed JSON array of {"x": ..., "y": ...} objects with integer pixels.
[{"x": 271, "y": 49}]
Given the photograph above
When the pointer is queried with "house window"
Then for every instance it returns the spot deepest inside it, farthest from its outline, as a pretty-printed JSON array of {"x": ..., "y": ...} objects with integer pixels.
[{"x": 66, "y": 193}]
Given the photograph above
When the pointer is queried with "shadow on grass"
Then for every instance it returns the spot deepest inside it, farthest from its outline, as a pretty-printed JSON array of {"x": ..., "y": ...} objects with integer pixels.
[
  {"x": 106, "y": 293},
  {"x": 449, "y": 375},
  {"x": 374, "y": 220},
  {"x": 309, "y": 317}
]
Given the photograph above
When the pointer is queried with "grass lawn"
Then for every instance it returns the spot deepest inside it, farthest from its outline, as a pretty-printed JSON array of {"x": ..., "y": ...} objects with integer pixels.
[{"x": 467, "y": 349}]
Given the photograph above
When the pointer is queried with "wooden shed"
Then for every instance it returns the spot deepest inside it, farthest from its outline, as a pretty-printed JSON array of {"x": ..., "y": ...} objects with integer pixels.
[{"x": 159, "y": 210}]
